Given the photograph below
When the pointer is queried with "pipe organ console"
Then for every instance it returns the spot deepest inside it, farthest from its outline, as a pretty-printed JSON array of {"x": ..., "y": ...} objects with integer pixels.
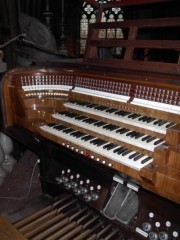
[{"x": 108, "y": 139}]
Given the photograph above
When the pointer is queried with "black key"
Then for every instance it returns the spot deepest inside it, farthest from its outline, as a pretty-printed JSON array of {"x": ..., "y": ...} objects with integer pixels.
[
  {"x": 101, "y": 108},
  {"x": 122, "y": 113},
  {"x": 52, "y": 124},
  {"x": 133, "y": 155},
  {"x": 131, "y": 115},
  {"x": 64, "y": 112},
  {"x": 126, "y": 152},
  {"x": 134, "y": 115},
  {"x": 94, "y": 141},
  {"x": 106, "y": 126},
  {"x": 134, "y": 134},
  {"x": 92, "y": 105},
  {"x": 74, "y": 134},
  {"x": 109, "y": 146},
  {"x": 85, "y": 104},
  {"x": 87, "y": 138},
  {"x": 119, "y": 113},
  {"x": 68, "y": 130},
  {"x": 110, "y": 127},
  {"x": 100, "y": 143},
  {"x": 125, "y": 113},
  {"x": 131, "y": 133},
  {"x": 81, "y": 103},
  {"x": 138, "y": 157},
  {"x": 90, "y": 120},
  {"x": 145, "y": 160},
  {"x": 150, "y": 139},
  {"x": 117, "y": 149},
  {"x": 158, "y": 141},
  {"x": 80, "y": 118},
  {"x": 162, "y": 123},
  {"x": 99, "y": 124},
  {"x": 121, "y": 150},
  {"x": 149, "y": 120},
  {"x": 122, "y": 130},
  {"x": 111, "y": 110},
  {"x": 81, "y": 134},
  {"x": 169, "y": 125},
  {"x": 157, "y": 122},
  {"x": 139, "y": 135},
  {"x": 77, "y": 134},
  {"x": 146, "y": 138},
  {"x": 72, "y": 115},
  {"x": 113, "y": 127},
  {"x": 60, "y": 127},
  {"x": 117, "y": 131},
  {"x": 143, "y": 118}
]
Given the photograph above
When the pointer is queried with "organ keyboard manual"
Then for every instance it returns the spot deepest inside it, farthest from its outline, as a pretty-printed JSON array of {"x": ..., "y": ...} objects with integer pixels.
[{"x": 106, "y": 130}]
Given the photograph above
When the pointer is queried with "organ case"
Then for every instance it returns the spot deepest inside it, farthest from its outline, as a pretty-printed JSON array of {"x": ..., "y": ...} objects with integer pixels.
[{"x": 107, "y": 131}]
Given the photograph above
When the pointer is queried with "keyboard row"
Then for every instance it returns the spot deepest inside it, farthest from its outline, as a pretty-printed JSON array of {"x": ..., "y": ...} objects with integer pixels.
[
  {"x": 122, "y": 134},
  {"x": 135, "y": 119},
  {"x": 117, "y": 153}
]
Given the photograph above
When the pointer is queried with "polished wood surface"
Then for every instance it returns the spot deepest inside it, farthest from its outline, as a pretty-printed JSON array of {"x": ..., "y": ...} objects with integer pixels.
[{"x": 8, "y": 231}]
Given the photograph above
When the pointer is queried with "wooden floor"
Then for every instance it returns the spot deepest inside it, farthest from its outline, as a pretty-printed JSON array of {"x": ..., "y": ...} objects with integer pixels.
[{"x": 20, "y": 193}]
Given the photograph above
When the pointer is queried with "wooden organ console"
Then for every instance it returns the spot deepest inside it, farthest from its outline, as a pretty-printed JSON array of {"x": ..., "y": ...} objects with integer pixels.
[{"x": 107, "y": 132}]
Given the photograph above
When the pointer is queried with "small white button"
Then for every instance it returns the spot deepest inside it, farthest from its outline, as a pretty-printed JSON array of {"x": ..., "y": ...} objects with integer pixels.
[
  {"x": 168, "y": 224},
  {"x": 157, "y": 224},
  {"x": 151, "y": 214},
  {"x": 175, "y": 234}
]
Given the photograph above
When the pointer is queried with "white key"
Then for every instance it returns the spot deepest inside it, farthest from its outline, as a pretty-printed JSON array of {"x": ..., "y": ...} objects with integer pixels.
[
  {"x": 99, "y": 149},
  {"x": 125, "y": 119},
  {"x": 121, "y": 137}
]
